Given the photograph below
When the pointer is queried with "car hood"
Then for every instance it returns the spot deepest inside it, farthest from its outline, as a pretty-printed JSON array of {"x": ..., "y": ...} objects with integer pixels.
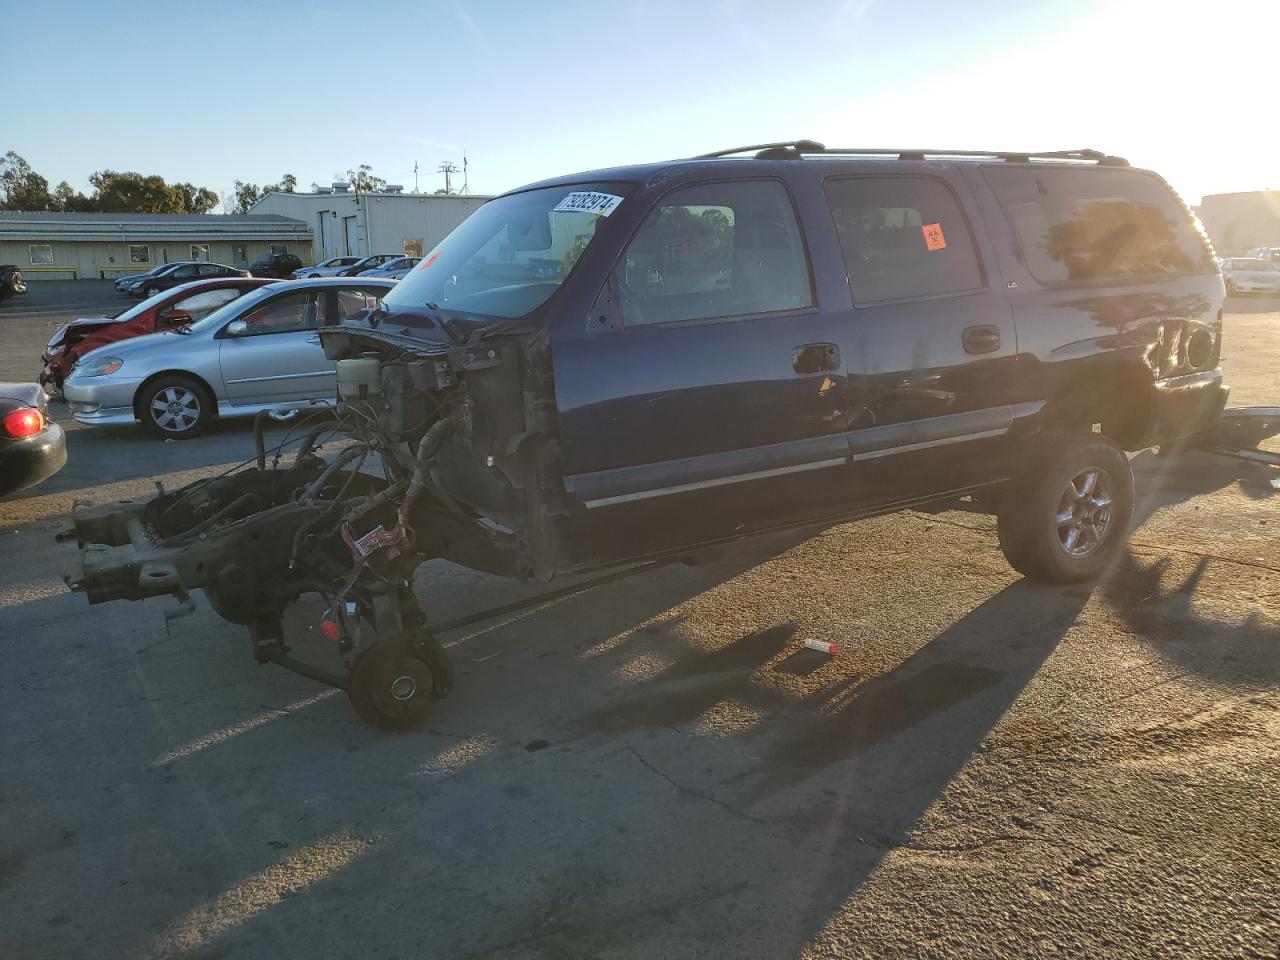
[{"x": 146, "y": 345}]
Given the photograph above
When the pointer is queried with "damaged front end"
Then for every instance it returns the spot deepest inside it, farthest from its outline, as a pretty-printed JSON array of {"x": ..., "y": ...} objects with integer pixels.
[{"x": 434, "y": 450}]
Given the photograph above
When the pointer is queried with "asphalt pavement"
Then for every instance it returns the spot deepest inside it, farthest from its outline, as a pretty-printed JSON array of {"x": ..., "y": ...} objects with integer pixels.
[{"x": 655, "y": 768}]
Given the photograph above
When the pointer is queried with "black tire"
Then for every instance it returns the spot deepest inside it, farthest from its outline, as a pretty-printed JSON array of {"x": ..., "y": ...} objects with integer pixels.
[
  {"x": 150, "y": 292},
  {"x": 1035, "y": 530},
  {"x": 392, "y": 687},
  {"x": 175, "y": 407}
]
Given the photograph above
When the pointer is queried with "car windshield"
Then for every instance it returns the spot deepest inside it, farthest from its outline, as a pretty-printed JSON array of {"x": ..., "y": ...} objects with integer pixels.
[{"x": 509, "y": 256}]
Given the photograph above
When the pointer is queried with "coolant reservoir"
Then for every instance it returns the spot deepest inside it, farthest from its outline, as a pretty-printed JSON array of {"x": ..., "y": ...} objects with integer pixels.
[{"x": 359, "y": 378}]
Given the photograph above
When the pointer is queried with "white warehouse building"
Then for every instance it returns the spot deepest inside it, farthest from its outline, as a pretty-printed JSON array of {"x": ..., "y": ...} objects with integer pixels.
[{"x": 346, "y": 223}]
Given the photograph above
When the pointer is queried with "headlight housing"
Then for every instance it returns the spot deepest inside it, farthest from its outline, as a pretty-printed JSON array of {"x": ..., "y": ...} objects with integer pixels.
[{"x": 97, "y": 367}]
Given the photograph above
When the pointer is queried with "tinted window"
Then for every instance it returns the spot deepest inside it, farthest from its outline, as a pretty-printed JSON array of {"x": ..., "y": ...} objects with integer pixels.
[
  {"x": 211, "y": 270},
  {"x": 902, "y": 237},
  {"x": 1080, "y": 225},
  {"x": 284, "y": 315},
  {"x": 185, "y": 271},
  {"x": 716, "y": 250}
]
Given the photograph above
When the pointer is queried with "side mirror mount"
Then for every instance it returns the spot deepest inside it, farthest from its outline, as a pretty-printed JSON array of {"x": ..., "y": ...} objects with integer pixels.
[{"x": 236, "y": 328}]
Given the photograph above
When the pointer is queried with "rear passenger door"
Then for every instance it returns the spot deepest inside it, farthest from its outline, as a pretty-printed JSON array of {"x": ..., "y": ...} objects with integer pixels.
[
  {"x": 709, "y": 400},
  {"x": 931, "y": 348}
]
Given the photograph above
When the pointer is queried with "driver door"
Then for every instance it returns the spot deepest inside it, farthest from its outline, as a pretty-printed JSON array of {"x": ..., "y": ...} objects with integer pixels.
[{"x": 279, "y": 358}]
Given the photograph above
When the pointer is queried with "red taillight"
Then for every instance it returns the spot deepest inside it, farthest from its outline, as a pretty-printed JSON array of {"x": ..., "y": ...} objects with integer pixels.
[{"x": 26, "y": 422}]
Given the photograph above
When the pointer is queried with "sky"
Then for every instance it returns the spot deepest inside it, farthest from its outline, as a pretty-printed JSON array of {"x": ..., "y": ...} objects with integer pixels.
[{"x": 218, "y": 91}]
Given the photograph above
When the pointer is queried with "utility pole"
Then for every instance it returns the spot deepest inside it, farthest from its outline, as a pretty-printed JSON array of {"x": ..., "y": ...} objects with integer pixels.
[
  {"x": 448, "y": 168},
  {"x": 415, "y": 176},
  {"x": 466, "y": 184}
]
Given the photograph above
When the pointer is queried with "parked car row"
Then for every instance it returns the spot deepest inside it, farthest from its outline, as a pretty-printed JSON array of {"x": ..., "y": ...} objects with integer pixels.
[
  {"x": 377, "y": 265},
  {"x": 259, "y": 350}
]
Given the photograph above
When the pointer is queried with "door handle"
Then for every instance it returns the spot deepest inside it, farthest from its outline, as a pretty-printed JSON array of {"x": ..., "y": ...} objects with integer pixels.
[
  {"x": 981, "y": 339},
  {"x": 815, "y": 358}
]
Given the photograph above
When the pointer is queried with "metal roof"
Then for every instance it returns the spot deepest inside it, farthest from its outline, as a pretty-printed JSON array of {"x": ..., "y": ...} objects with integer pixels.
[
  {"x": 20, "y": 225},
  {"x": 45, "y": 216}
]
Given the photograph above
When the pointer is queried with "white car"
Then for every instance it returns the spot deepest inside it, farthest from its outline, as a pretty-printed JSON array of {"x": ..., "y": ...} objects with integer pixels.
[
  {"x": 326, "y": 268},
  {"x": 1271, "y": 254},
  {"x": 1251, "y": 275}
]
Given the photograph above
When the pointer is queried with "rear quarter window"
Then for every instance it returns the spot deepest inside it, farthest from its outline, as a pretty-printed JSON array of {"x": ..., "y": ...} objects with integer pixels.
[{"x": 1089, "y": 225}]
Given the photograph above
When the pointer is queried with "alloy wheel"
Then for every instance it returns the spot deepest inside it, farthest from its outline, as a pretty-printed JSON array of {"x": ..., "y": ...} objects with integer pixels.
[
  {"x": 175, "y": 409},
  {"x": 1084, "y": 512}
]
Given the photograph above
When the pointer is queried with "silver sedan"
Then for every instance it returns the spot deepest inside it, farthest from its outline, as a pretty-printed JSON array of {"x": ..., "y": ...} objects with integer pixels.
[{"x": 260, "y": 352}]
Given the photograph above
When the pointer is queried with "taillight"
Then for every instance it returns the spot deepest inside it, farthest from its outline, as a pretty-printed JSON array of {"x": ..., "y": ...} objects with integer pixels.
[{"x": 26, "y": 422}]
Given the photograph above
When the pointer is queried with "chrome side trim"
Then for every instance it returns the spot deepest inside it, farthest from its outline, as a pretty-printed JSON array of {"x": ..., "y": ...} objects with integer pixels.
[
  {"x": 716, "y": 482},
  {"x": 926, "y": 444},
  {"x": 285, "y": 376}
]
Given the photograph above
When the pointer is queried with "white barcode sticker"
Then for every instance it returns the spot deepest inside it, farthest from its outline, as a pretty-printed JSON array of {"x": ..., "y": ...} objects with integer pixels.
[{"x": 601, "y": 204}]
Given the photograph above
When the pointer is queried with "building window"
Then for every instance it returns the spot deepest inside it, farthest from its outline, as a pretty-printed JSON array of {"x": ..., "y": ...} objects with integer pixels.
[
  {"x": 139, "y": 253},
  {"x": 41, "y": 254},
  {"x": 279, "y": 248},
  {"x": 200, "y": 252},
  {"x": 413, "y": 248}
]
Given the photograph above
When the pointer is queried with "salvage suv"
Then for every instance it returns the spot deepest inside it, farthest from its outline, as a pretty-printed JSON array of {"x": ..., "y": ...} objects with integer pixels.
[{"x": 648, "y": 362}]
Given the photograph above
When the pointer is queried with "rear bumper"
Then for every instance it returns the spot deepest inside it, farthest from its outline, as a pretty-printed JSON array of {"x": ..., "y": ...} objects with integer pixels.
[
  {"x": 24, "y": 463},
  {"x": 1185, "y": 406}
]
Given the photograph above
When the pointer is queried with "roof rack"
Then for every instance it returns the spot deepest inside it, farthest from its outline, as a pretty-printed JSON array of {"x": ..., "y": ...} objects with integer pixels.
[{"x": 793, "y": 149}]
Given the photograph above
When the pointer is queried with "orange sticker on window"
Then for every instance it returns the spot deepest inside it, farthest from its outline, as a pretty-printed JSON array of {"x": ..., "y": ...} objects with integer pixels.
[{"x": 933, "y": 238}]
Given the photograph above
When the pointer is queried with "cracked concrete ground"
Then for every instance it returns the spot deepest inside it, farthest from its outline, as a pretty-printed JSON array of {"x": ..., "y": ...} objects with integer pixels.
[{"x": 654, "y": 767}]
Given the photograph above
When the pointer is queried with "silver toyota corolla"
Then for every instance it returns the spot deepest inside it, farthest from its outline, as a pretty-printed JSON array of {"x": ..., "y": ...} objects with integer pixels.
[{"x": 260, "y": 352}]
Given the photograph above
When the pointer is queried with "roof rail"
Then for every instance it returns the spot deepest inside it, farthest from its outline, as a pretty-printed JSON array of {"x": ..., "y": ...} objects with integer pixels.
[{"x": 796, "y": 148}]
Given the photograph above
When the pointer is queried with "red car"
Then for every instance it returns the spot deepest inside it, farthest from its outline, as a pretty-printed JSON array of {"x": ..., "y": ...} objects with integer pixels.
[{"x": 165, "y": 311}]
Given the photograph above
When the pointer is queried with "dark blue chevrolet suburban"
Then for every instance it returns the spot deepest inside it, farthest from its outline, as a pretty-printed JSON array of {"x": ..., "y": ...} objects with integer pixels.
[{"x": 645, "y": 362}]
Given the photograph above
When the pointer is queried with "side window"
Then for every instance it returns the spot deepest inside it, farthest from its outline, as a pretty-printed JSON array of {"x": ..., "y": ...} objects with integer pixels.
[
  {"x": 902, "y": 237},
  {"x": 716, "y": 250},
  {"x": 353, "y": 301},
  {"x": 210, "y": 270},
  {"x": 186, "y": 272},
  {"x": 1089, "y": 224},
  {"x": 287, "y": 314}
]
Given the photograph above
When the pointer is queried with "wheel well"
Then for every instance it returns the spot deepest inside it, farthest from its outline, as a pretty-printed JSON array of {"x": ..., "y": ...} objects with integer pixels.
[
  {"x": 1122, "y": 401},
  {"x": 185, "y": 374}
]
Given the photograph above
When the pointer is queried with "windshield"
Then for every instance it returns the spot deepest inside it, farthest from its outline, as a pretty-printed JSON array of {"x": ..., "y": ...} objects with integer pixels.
[{"x": 509, "y": 256}]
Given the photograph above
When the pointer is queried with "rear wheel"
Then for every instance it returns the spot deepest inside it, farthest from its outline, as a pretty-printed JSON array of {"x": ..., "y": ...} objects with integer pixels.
[
  {"x": 150, "y": 292},
  {"x": 1068, "y": 517},
  {"x": 175, "y": 408}
]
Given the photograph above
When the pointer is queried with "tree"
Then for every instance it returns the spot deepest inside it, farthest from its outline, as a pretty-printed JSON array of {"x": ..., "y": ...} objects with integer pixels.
[
  {"x": 21, "y": 188},
  {"x": 66, "y": 199},
  {"x": 288, "y": 183},
  {"x": 131, "y": 192},
  {"x": 196, "y": 199},
  {"x": 246, "y": 195},
  {"x": 363, "y": 180}
]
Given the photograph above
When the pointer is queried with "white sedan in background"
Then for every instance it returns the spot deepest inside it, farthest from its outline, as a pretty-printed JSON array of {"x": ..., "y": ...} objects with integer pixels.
[{"x": 1249, "y": 275}]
